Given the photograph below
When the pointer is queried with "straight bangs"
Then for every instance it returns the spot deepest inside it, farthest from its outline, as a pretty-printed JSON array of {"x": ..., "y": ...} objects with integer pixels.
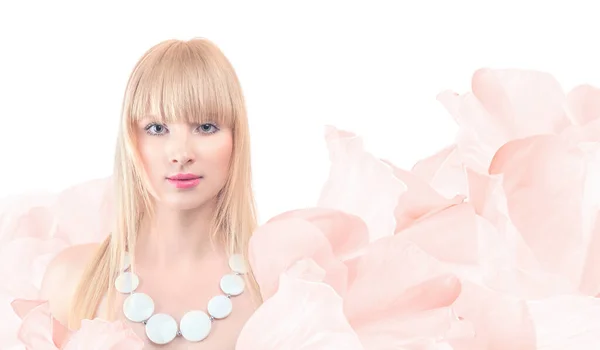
[{"x": 183, "y": 83}]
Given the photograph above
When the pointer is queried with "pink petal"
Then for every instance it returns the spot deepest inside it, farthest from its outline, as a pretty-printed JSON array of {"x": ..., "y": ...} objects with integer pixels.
[
  {"x": 419, "y": 200},
  {"x": 508, "y": 263},
  {"x": 374, "y": 290},
  {"x": 308, "y": 315},
  {"x": 444, "y": 172},
  {"x": 505, "y": 105},
  {"x": 23, "y": 263},
  {"x": 431, "y": 329},
  {"x": 419, "y": 316},
  {"x": 346, "y": 233},
  {"x": 360, "y": 184},
  {"x": 543, "y": 182},
  {"x": 566, "y": 322},
  {"x": 584, "y": 104},
  {"x": 39, "y": 329},
  {"x": 479, "y": 135},
  {"x": 499, "y": 239},
  {"x": 449, "y": 235},
  {"x": 528, "y": 284},
  {"x": 27, "y": 216},
  {"x": 500, "y": 322},
  {"x": 578, "y": 134},
  {"x": 87, "y": 223},
  {"x": 525, "y": 102},
  {"x": 590, "y": 278},
  {"x": 277, "y": 245},
  {"x": 102, "y": 335},
  {"x": 428, "y": 168}
]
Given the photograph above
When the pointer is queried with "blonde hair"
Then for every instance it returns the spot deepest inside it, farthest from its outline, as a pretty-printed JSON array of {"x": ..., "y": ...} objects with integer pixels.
[{"x": 175, "y": 80}]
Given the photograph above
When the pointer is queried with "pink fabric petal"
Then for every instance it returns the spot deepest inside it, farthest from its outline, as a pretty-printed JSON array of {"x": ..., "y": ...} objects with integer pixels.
[
  {"x": 87, "y": 223},
  {"x": 452, "y": 102},
  {"x": 309, "y": 313},
  {"x": 420, "y": 316},
  {"x": 27, "y": 216},
  {"x": 432, "y": 329},
  {"x": 543, "y": 182},
  {"x": 374, "y": 291},
  {"x": 23, "y": 264},
  {"x": 22, "y": 307},
  {"x": 504, "y": 105},
  {"x": 500, "y": 239},
  {"x": 444, "y": 172},
  {"x": 33, "y": 229},
  {"x": 566, "y": 322},
  {"x": 528, "y": 284},
  {"x": 590, "y": 275},
  {"x": 419, "y": 201},
  {"x": 360, "y": 184},
  {"x": 479, "y": 135},
  {"x": 346, "y": 233},
  {"x": 277, "y": 245},
  {"x": 584, "y": 104},
  {"x": 11, "y": 322},
  {"x": 102, "y": 335},
  {"x": 507, "y": 261},
  {"x": 39, "y": 329},
  {"x": 523, "y": 102},
  {"x": 428, "y": 168},
  {"x": 590, "y": 278},
  {"x": 499, "y": 322},
  {"x": 450, "y": 235},
  {"x": 578, "y": 134}
]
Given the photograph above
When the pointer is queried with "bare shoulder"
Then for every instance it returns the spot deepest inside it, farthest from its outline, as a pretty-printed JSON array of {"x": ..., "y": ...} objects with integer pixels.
[{"x": 62, "y": 276}]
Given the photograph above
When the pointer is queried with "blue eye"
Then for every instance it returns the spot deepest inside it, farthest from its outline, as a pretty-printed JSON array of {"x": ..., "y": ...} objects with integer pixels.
[
  {"x": 155, "y": 129},
  {"x": 208, "y": 128}
]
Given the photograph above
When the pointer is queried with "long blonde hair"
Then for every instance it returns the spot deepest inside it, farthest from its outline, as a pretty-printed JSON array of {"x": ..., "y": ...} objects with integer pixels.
[{"x": 176, "y": 80}]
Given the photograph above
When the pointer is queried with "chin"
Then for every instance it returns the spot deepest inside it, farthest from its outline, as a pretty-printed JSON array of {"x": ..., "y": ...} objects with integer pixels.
[{"x": 187, "y": 201}]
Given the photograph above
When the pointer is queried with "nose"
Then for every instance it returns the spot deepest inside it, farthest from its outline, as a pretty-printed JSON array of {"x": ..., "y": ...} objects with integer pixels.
[
  {"x": 182, "y": 154},
  {"x": 182, "y": 158}
]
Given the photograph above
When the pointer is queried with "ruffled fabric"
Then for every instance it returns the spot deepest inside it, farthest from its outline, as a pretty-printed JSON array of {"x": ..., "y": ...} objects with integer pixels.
[
  {"x": 40, "y": 330},
  {"x": 34, "y": 228},
  {"x": 493, "y": 243}
]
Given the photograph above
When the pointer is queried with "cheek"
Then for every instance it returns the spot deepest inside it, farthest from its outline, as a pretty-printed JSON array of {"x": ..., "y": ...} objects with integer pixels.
[
  {"x": 218, "y": 152},
  {"x": 148, "y": 152}
]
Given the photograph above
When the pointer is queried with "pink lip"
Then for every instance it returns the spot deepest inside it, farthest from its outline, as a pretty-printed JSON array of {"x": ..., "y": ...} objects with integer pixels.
[
  {"x": 183, "y": 177},
  {"x": 184, "y": 180}
]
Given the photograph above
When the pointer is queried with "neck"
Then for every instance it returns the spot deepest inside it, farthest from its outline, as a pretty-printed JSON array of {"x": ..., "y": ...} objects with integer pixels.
[{"x": 172, "y": 237}]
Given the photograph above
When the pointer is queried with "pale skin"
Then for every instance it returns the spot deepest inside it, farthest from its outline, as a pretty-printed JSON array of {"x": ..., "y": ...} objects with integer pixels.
[{"x": 177, "y": 265}]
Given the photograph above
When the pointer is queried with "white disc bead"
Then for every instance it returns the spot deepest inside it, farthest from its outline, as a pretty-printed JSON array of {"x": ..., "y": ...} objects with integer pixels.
[
  {"x": 126, "y": 262},
  {"x": 232, "y": 284},
  {"x": 138, "y": 307},
  {"x": 161, "y": 329},
  {"x": 220, "y": 307},
  {"x": 237, "y": 264},
  {"x": 127, "y": 282},
  {"x": 195, "y": 326}
]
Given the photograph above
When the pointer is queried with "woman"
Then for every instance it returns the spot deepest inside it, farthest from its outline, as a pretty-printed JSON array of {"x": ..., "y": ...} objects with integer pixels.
[{"x": 184, "y": 207}]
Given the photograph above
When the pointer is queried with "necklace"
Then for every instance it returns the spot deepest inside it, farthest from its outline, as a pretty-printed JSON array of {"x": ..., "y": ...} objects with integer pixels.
[{"x": 195, "y": 325}]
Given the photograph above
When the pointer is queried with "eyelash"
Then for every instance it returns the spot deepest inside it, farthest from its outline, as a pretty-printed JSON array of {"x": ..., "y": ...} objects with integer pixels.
[{"x": 149, "y": 127}]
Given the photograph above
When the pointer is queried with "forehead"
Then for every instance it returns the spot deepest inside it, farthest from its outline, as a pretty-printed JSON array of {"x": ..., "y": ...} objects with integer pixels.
[{"x": 179, "y": 85}]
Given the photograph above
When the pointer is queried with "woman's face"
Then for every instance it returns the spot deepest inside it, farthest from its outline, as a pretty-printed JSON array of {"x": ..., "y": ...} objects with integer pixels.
[{"x": 187, "y": 164}]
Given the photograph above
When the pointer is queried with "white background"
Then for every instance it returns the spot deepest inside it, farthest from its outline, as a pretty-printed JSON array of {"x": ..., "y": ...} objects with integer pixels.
[{"x": 371, "y": 67}]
